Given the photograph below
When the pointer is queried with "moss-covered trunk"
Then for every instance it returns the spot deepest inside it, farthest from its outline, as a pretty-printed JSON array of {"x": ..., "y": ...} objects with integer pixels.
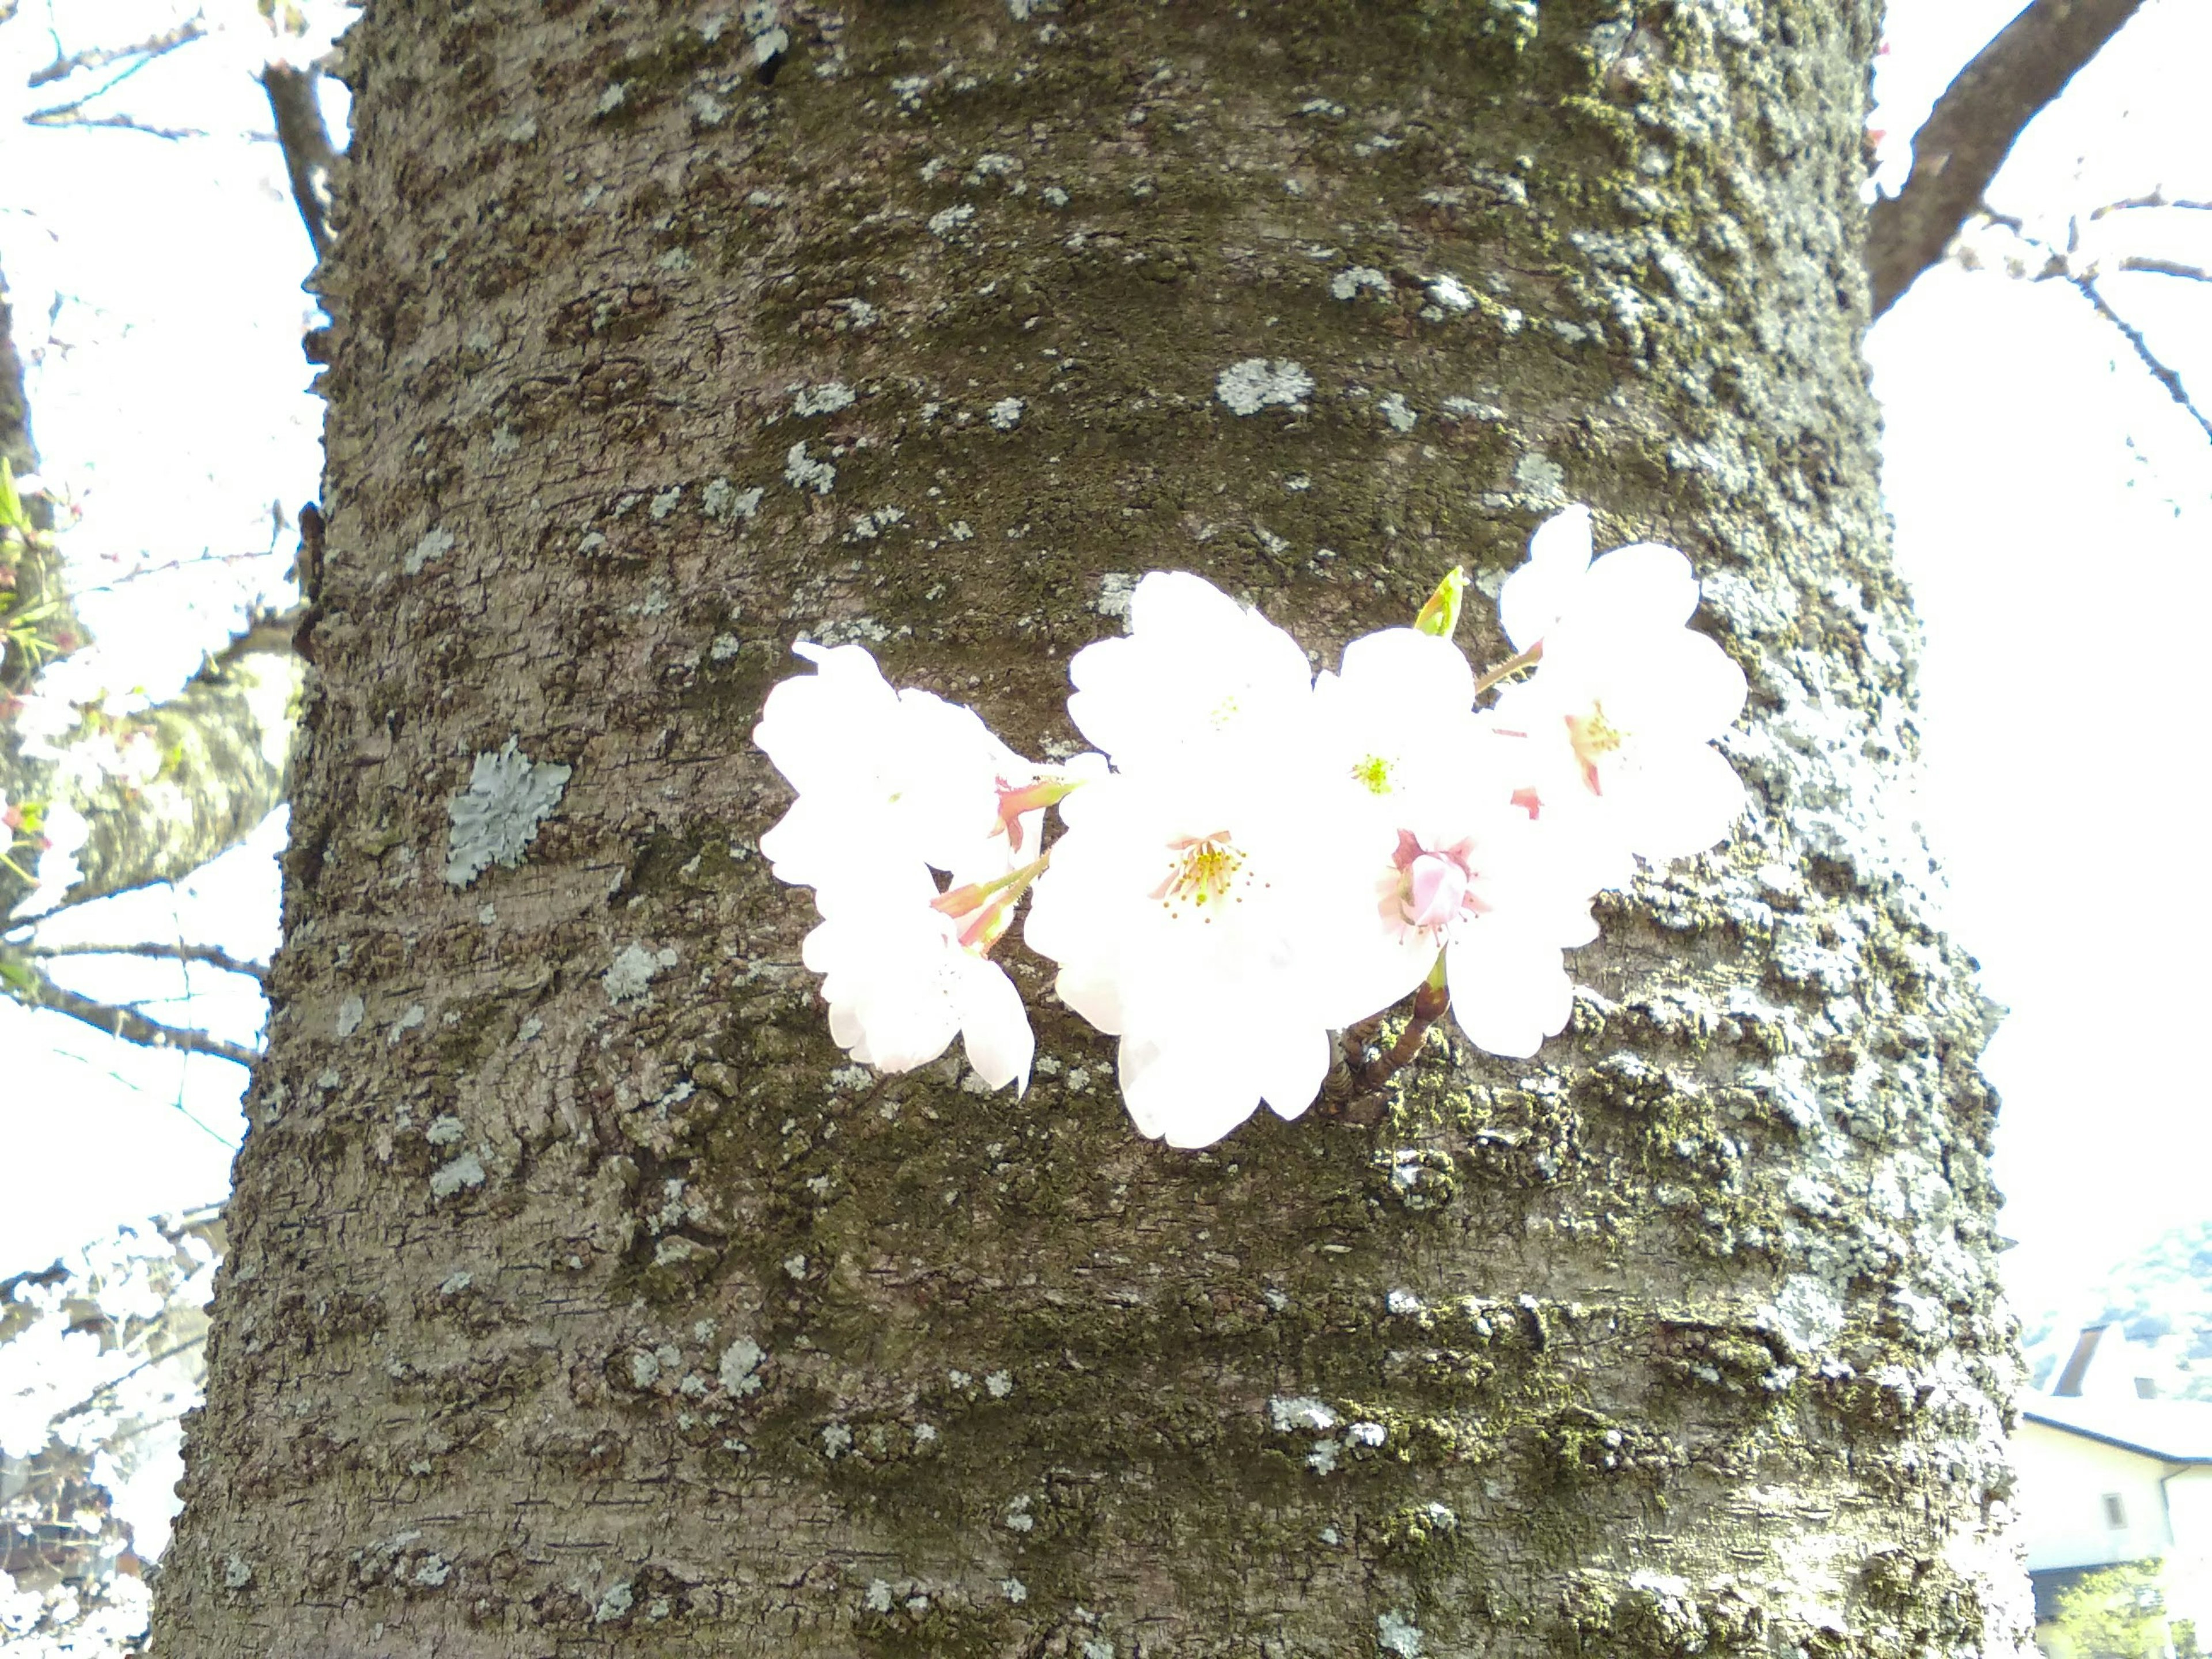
[{"x": 582, "y": 1299}]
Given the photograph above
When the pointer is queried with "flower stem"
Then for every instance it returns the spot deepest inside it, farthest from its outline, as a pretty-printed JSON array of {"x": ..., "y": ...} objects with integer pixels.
[
  {"x": 1357, "y": 1077},
  {"x": 1513, "y": 665}
]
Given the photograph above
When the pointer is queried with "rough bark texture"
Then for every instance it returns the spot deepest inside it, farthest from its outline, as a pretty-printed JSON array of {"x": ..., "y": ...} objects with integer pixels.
[
  {"x": 1974, "y": 127},
  {"x": 582, "y": 1299}
]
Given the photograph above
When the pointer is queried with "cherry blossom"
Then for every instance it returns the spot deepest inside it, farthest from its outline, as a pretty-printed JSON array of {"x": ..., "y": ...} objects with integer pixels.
[
  {"x": 1617, "y": 722},
  {"x": 1260, "y": 856},
  {"x": 1177, "y": 908},
  {"x": 903, "y": 978},
  {"x": 879, "y": 770}
]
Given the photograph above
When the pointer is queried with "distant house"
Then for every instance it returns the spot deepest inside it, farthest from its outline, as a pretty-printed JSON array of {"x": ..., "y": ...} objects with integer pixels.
[{"x": 2110, "y": 1472}]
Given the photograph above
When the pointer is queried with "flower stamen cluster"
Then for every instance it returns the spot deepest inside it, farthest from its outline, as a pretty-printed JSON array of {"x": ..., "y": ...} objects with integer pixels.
[{"x": 1257, "y": 857}]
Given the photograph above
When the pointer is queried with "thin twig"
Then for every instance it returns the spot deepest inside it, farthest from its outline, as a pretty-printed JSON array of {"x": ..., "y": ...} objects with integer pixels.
[
  {"x": 2157, "y": 199},
  {"x": 67, "y": 115},
  {"x": 93, "y": 57},
  {"x": 127, "y": 1024},
  {"x": 220, "y": 1139},
  {"x": 2166, "y": 268},
  {"x": 204, "y": 953},
  {"x": 2160, "y": 372}
]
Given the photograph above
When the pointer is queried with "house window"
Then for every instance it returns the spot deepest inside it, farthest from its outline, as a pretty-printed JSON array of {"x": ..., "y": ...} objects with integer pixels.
[{"x": 2116, "y": 1512}]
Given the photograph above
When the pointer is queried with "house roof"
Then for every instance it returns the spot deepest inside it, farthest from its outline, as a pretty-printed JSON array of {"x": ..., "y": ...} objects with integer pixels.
[{"x": 2172, "y": 1431}]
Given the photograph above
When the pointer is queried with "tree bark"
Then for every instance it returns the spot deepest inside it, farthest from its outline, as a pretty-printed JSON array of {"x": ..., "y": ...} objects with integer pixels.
[{"x": 583, "y": 1298}]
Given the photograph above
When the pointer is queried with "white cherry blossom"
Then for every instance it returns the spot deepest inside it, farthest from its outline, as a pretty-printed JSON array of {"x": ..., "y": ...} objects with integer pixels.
[
  {"x": 1197, "y": 674},
  {"x": 1178, "y": 909},
  {"x": 881, "y": 773},
  {"x": 900, "y": 981},
  {"x": 1616, "y": 724}
]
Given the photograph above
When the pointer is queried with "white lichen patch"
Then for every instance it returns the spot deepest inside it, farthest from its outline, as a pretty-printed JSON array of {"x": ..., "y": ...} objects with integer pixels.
[
  {"x": 946, "y": 224},
  {"x": 1396, "y": 410},
  {"x": 1807, "y": 1312},
  {"x": 614, "y": 1603},
  {"x": 1300, "y": 1414},
  {"x": 825, "y": 399},
  {"x": 629, "y": 977},
  {"x": 1448, "y": 291},
  {"x": 879, "y": 1598},
  {"x": 1544, "y": 479},
  {"x": 722, "y": 501},
  {"x": 444, "y": 1130},
  {"x": 410, "y": 1020},
  {"x": 611, "y": 98},
  {"x": 1007, "y": 413},
  {"x": 1396, "y": 1632},
  {"x": 466, "y": 1170},
  {"x": 998, "y": 1384},
  {"x": 351, "y": 1012},
  {"x": 1255, "y": 383},
  {"x": 434, "y": 544},
  {"x": 497, "y": 815},
  {"x": 1115, "y": 589},
  {"x": 803, "y": 473},
  {"x": 740, "y": 1366},
  {"x": 1347, "y": 283},
  {"x": 665, "y": 502}
]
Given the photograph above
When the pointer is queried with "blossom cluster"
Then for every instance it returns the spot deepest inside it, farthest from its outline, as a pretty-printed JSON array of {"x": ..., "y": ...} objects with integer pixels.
[{"x": 1256, "y": 856}]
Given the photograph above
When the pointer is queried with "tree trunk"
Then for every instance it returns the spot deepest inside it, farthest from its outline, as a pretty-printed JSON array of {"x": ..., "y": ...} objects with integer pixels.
[{"x": 582, "y": 1297}]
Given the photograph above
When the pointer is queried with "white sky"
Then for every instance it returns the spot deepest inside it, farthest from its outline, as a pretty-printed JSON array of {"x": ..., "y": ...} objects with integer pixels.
[{"x": 2054, "y": 512}]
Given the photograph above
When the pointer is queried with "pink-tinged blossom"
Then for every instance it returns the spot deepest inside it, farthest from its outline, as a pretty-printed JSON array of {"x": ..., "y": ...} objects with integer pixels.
[
  {"x": 1178, "y": 909},
  {"x": 1459, "y": 869},
  {"x": 1615, "y": 726},
  {"x": 883, "y": 774},
  {"x": 900, "y": 983}
]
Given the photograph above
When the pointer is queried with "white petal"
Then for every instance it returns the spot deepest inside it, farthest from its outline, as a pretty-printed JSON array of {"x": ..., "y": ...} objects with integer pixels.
[
  {"x": 1680, "y": 801},
  {"x": 1532, "y": 598},
  {"x": 1178, "y": 1091},
  {"x": 995, "y": 1026},
  {"x": 1293, "y": 1070},
  {"x": 1508, "y": 993},
  {"x": 1644, "y": 585}
]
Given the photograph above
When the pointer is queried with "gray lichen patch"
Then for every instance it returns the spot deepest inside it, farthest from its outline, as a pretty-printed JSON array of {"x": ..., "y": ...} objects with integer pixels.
[
  {"x": 436, "y": 542},
  {"x": 497, "y": 815},
  {"x": 466, "y": 1170},
  {"x": 631, "y": 973},
  {"x": 1251, "y": 386}
]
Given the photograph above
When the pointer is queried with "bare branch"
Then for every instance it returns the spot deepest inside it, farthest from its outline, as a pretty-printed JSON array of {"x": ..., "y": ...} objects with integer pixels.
[
  {"x": 203, "y": 953},
  {"x": 34, "y": 990},
  {"x": 2166, "y": 268},
  {"x": 2160, "y": 372},
  {"x": 72, "y": 115},
  {"x": 2157, "y": 199},
  {"x": 93, "y": 57},
  {"x": 307, "y": 145},
  {"x": 1971, "y": 129}
]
